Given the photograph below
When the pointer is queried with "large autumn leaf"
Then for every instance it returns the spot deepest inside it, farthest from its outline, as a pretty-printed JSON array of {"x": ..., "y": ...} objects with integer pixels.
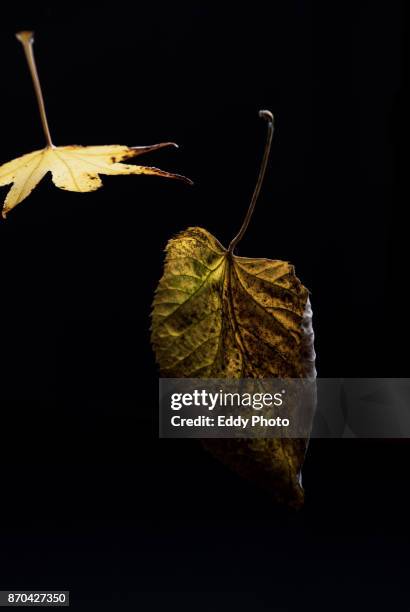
[
  {"x": 74, "y": 167},
  {"x": 218, "y": 315}
]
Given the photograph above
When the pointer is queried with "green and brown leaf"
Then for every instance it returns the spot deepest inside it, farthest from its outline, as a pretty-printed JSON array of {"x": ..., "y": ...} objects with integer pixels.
[{"x": 217, "y": 315}]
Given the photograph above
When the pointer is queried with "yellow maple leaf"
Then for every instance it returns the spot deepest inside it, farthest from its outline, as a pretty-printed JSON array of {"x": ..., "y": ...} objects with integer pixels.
[{"x": 74, "y": 167}]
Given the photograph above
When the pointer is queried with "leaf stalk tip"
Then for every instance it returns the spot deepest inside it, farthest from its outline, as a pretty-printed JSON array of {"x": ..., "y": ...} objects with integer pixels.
[
  {"x": 26, "y": 37},
  {"x": 268, "y": 116}
]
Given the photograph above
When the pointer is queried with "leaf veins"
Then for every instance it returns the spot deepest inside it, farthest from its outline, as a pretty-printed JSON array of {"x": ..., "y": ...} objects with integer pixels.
[{"x": 216, "y": 315}]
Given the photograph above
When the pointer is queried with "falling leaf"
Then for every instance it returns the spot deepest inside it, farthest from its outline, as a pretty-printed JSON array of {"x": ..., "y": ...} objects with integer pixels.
[
  {"x": 217, "y": 315},
  {"x": 74, "y": 167}
]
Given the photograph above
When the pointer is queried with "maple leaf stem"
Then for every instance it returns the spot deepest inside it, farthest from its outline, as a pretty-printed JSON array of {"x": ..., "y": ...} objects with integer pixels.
[
  {"x": 27, "y": 39},
  {"x": 267, "y": 115}
]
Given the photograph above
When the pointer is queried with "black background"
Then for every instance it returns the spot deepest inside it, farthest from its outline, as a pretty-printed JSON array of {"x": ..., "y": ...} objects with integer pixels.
[{"x": 91, "y": 500}]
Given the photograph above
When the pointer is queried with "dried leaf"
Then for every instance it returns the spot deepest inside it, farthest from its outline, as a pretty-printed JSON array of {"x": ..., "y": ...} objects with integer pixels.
[
  {"x": 74, "y": 167},
  {"x": 217, "y": 315}
]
